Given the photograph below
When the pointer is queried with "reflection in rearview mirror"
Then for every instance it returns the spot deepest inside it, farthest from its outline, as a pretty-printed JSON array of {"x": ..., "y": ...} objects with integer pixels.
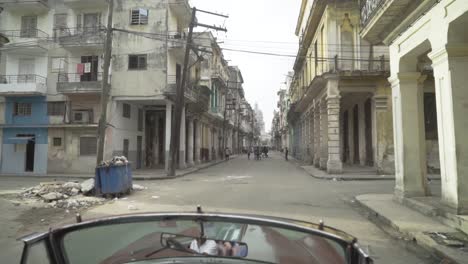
[{"x": 203, "y": 245}]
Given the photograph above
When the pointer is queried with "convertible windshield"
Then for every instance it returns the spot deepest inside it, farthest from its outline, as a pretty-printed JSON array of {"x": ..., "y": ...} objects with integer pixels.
[{"x": 144, "y": 241}]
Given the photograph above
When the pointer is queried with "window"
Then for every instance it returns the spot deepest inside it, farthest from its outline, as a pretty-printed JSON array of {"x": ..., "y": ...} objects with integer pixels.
[
  {"x": 88, "y": 146},
  {"x": 127, "y": 109},
  {"x": 140, "y": 119},
  {"x": 139, "y": 16},
  {"x": 126, "y": 143},
  {"x": 137, "y": 62},
  {"x": 22, "y": 109},
  {"x": 57, "y": 142},
  {"x": 56, "y": 108}
]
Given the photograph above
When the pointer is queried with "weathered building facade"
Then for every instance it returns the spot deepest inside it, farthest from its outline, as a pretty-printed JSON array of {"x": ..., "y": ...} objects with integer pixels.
[
  {"x": 51, "y": 79},
  {"x": 429, "y": 49},
  {"x": 340, "y": 114}
]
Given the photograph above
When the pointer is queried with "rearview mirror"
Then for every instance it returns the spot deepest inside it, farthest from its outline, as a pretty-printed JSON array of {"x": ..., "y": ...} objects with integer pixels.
[{"x": 223, "y": 247}]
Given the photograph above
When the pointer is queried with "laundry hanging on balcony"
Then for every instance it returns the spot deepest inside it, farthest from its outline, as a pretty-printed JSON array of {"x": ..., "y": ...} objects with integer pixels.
[{"x": 80, "y": 68}]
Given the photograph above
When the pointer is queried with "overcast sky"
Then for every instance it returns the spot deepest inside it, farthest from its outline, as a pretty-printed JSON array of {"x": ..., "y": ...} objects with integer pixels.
[{"x": 257, "y": 25}]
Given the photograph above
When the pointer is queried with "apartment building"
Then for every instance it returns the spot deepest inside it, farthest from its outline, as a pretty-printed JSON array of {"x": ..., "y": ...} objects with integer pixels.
[
  {"x": 51, "y": 79},
  {"x": 340, "y": 114}
]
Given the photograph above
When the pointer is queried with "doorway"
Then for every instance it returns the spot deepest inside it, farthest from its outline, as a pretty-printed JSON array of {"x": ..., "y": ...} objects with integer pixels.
[
  {"x": 30, "y": 150},
  {"x": 139, "y": 149},
  {"x": 345, "y": 136},
  {"x": 91, "y": 23},
  {"x": 91, "y": 73},
  {"x": 356, "y": 134}
]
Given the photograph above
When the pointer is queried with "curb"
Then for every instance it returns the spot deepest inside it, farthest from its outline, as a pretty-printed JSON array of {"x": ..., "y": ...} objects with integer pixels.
[
  {"x": 140, "y": 178},
  {"x": 346, "y": 178},
  {"x": 419, "y": 239}
]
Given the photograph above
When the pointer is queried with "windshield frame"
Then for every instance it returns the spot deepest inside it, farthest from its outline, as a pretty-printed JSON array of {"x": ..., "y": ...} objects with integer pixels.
[{"x": 56, "y": 235}]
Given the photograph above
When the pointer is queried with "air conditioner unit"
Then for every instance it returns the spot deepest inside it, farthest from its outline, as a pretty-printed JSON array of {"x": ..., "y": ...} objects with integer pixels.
[{"x": 81, "y": 117}]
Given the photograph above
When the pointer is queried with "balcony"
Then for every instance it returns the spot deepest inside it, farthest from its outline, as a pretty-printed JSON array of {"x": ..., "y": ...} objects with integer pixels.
[
  {"x": 35, "y": 44},
  {"x": 176, "y": 40},
  {"x": 23, "y": 84},
  {"x": 75, "y": 83},
  {"x": 380, "y": 17},
  {"x": 344, "y": 66},
  {"x": 170, "y": 91},
  {"x": 25, "y": 6},
  {"x": 182, "y": 10},
  {"x": 220, "y": 76},
  {"x": 81, "y": 37},
  {"x": 85, "y": 3}
]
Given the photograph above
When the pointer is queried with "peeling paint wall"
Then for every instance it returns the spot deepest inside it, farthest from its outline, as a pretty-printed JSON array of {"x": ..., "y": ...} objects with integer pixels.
[{"x": 149, "y": 82}]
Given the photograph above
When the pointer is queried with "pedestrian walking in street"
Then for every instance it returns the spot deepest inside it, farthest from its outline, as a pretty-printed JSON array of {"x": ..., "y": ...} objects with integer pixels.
[
  {"x": 248, "y": 153},
  {"x": 286, "y": 152},
  {"x": 227, "y": 153}
]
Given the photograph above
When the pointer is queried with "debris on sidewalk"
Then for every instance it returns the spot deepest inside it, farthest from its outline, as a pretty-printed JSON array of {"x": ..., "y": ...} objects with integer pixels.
[
  {"x": 60, "y": 194},
  {"x": 137, "y": 187}
]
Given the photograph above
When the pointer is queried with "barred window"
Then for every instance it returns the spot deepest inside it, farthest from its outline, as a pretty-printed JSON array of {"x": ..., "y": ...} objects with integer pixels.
[
  {"x": 88, "y": 146},
  {"x": 140, "y": 119},
  {"x": 139, "y": 16},
  {"x": 127, "y": 110},
  {"x": 137, "y": 62},
  {"x": 22, "y": 109},
  {"x": 56, "y": 108},
  {"x": 57, "y": 142}
]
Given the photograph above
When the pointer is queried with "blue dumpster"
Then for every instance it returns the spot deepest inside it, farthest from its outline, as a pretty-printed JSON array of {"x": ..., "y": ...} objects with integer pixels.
[{"x": 113, "y": 179}]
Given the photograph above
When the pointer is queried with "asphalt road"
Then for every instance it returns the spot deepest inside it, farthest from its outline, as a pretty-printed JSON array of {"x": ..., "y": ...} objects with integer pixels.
[{"x": 269, "y": 187}]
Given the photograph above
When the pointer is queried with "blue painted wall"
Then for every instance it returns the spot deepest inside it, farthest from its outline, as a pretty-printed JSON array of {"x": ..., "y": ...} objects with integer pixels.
[
  {"x": 14, "y": 161},
  {"x": 38, "y": 111}
]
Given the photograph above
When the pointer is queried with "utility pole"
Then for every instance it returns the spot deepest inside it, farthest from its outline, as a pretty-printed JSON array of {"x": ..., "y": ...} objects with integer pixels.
[
  {"x": 105, "y": 86},
  {"x": 180, "y": 92}
]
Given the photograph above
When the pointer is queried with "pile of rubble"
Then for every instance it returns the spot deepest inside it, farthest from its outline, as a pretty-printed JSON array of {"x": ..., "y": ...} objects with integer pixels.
[{"x": 59, "y": 194}]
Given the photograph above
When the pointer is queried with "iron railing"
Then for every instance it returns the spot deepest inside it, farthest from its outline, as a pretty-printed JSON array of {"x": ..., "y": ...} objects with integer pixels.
[
  {"x": 78, "y": 77},
  {"x": 335, "y": 64},
  {"x": 25, "y": 33},
  {"x": 61, "y": 32},
  {"x": 22, "y": 78},
  {"x": 369, "y": 9},
  {"x": 173, "y": 82}
]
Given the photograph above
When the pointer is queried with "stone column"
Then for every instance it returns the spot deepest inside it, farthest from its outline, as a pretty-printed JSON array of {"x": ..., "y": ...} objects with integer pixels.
[
  {"x": 182, "y": 146},
  {"x": 323, "y": 135},
  {"x": 197, "y": 128},
  {"x": 409, "y": 135},
  {"x": 210, "y": 150},
  {"x": 167, "y": 137},
  {"x": 311, "y": 135},
  {"x": 362, "y": 134},
  {"x": 317, "y": 134},
  {"x": 450, "y": 64},
  {"x": 334, "y": 164},
  {"x": 190, "y": 143}
]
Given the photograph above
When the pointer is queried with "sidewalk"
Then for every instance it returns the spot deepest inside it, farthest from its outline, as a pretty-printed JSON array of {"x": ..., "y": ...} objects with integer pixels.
[
  {"x": 145, "y": 174},
  {"x": 350, "y": 173},
  {"x": 441, "y": 240}
]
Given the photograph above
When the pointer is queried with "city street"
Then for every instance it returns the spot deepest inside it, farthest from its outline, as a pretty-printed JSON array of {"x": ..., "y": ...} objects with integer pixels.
[{"x": 271, "y": 186}]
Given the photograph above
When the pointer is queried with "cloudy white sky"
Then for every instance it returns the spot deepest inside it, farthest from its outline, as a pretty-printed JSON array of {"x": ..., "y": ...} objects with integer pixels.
[{"x": 257, "y": 25}]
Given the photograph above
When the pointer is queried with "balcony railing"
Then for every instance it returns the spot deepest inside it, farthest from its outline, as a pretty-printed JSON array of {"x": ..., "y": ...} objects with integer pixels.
[
  {"x": 79, "y": 83},
  {"x": 344, "y": 64},
  {"x": 173, "y": 82},
  {"x": 369, "y": 8},
  {"x": 22, "y": 78},
  {"x": 25, "y": 33},
  {"x": 176, "y": 39},
  {"x": 80, "y": 35},
  {"x": 25, "y": 84}
]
